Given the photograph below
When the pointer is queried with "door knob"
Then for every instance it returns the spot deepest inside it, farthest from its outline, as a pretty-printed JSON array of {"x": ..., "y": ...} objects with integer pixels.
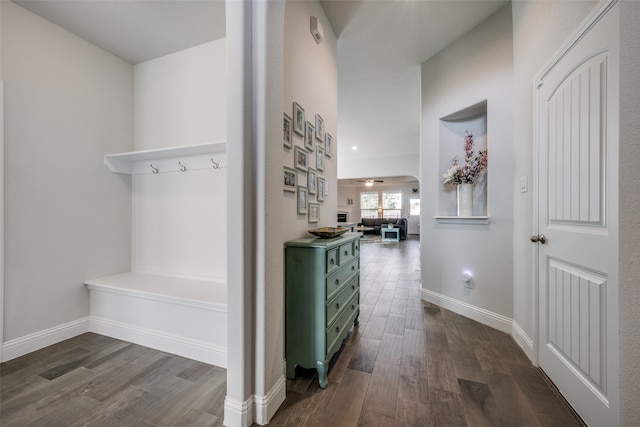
[{"x": 538, "y": 238}]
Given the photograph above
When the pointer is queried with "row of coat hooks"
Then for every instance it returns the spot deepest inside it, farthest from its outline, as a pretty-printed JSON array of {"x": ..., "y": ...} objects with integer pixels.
[{"x": 183, "y": 168}]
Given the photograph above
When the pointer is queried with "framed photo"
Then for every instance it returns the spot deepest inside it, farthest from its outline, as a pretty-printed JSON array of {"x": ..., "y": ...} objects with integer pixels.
[
  {"x": 286, "y": 131},
  {"x": 300, "y": 158},
  {"x": 314, "y": 212},
  {"x": 328, "y": 142},
  {"x": 311, "y": 181},
  {"x": 289, "y": 179},
  {"x": 321, "y": 189},
  {"x": 302, "y": 199},
  {"x": 308, "y": 137},
  {"x": 298, "y": 119},
  {"x": 319, "y": 128},
  {"x": 319, "y": 158}
]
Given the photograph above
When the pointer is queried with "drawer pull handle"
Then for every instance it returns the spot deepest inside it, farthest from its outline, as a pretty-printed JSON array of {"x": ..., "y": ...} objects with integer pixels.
[
  {"x": 337, "y": 328},
  {"x": 337, "y": 305},
  {"x": 346, "y": 253},
  {"x": 353, "y": 268},
  {"x": 353, "y": 287},
  {"x": 332, "y": 261},
  {"x": 353, "y": 307},
  {"x": 337, "y": 282}
]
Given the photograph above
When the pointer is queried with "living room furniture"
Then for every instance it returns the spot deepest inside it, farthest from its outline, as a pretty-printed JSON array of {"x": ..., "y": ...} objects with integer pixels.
[
  {"x": 390, "y": 234},
  {"x": 322, "y": 295},
  {"x": 378, "y": 223}
]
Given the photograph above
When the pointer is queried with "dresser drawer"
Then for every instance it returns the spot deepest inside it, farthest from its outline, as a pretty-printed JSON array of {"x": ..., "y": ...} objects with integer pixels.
[
  {"x": 339, "y": 303},
  {"x": 336, "y": 331},
  {"x": 339, "y": 278},
  {"x": 332, "y": 259},
  {"x": 347, "y": 252}
]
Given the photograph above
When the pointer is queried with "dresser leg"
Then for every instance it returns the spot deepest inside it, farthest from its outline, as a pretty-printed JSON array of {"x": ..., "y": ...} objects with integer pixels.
[
  {"x": 321, "y": 366},
  {"x": 356, "y": 321},
  {"x": 291, "y": 371}
]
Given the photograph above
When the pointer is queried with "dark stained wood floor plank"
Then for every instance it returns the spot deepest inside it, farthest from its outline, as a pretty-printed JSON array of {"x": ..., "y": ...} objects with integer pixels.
[
  {"x": 382, "y": 393},
  {"x": 412, "y": 414},
  {"x": 364, "y": 357},
  {"x": 479, "y": 405},
  {"x": 390, "y": 350},
  {"x": 375, "y": 327},
  {"x": 446, "y": 409},
  {"x": 346, "y": 404}
]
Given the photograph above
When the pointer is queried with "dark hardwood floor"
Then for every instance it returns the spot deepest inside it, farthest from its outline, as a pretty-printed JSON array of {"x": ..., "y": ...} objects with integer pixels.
[
  {"x": 93, "y": 380},
  {"x": 409, "y": 363}
]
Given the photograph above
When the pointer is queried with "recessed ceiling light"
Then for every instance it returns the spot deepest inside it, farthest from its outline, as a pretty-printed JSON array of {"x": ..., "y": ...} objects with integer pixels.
[{"x": 354, "y": 148}]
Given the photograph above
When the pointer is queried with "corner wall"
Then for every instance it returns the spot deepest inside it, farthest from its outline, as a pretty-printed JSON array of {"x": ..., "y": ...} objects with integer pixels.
[
  {"x": 180, "y": 98},
  {"x": 475, "y": 68},
  {"x": 67, "y": 103},
  {"x": 629, "y": 250}
]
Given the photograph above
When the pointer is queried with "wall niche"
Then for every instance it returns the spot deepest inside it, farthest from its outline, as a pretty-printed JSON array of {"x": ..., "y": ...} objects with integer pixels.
[{"x": 452, "y": 132}]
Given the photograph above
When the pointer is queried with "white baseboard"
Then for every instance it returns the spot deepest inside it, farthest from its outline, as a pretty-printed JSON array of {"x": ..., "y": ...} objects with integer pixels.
[
  {"x": 190, "y": 348},
  {"x": 237, "y": 413},
  {"x": 523, "y": 340},
  {"x": 486, "y": 317},
  {"x": 38, "y": 340},
  {"x": 266, "y": 406}
]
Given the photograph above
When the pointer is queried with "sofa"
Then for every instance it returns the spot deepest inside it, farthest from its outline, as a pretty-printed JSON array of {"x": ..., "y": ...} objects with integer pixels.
[{"x": 378, "y": 223}]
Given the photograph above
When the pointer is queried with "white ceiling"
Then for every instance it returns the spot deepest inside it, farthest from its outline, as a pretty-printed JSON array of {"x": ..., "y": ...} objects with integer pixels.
[
  {"x": 381, "y": 45},
  {"x": 136, "y": 30},
  {"x": 380, "y": 48}
]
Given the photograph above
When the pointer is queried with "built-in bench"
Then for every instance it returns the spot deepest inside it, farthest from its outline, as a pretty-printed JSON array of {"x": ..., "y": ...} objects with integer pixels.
[{"x": 181, "y": 316}]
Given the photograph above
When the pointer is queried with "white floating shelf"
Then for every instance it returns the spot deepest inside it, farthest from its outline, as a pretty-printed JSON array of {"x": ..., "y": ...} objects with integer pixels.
[
  {"x": 462, "y": 219},
  {"x": 124, "y": 162}
]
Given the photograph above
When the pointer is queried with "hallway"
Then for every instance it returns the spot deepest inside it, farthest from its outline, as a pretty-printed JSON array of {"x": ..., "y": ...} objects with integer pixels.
[{"x": 411, "y": 363}]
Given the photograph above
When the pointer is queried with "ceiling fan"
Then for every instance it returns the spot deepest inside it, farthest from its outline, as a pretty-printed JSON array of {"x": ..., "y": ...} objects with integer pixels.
[{"x": 369, "y": 181}]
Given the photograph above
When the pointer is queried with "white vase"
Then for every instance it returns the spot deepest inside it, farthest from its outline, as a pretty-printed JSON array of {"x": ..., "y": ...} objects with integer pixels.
[{"x": 465, "y": 199}]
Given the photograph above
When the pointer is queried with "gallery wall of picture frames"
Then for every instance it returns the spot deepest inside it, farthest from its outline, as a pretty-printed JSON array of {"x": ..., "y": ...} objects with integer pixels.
[{"x": 311, "y": 146}]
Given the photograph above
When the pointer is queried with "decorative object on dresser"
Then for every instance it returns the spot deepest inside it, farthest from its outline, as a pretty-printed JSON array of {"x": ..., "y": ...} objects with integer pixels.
[{"x": 322, "y": 300}]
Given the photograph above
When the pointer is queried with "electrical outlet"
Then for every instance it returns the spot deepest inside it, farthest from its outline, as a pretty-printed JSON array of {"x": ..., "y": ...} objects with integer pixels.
[{"x": 524, "y": 184}]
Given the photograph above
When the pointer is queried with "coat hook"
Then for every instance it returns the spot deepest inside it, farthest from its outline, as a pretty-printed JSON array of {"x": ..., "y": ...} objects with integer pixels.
[
  {"x": 216, "y": 165},
  {"x": 154, "y": 169},
  {"x": 183, "y": 168}
]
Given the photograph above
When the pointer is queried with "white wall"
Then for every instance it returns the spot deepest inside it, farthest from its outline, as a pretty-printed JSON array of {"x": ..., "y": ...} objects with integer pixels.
[
  {"x": 539, "y": 30},
  {"x": 180, "y": 99},
  {"x": 310, "y": 79},
  {"x": 475, "y": 68},
  {"x": 629, "y": 250},
  {"x": 67, "y": 103}
]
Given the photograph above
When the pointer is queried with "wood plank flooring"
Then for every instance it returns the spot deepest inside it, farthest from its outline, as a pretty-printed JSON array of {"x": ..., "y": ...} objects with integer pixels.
[
  {"x": 409, "y": 363},
  {"x": 93, "y": 380}
]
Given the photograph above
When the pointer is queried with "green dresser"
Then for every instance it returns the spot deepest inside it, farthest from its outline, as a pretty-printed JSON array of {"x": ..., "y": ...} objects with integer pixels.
[{"x": 322, "y": 299}]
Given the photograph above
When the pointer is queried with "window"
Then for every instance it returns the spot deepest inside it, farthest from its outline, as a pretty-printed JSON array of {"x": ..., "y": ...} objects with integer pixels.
[
  {"x": 368, "y": 205},
  {"x": 392, "y": 205}
]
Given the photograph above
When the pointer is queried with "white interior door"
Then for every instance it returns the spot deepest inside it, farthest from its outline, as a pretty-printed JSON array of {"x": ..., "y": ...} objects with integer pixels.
[
  {"x": 577, "y": 124},
  {"x": 413, "y": 219}
]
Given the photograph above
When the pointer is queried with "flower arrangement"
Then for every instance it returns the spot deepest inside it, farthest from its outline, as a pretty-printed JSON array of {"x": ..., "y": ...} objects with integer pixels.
[{"x": 471, "y": 170}]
